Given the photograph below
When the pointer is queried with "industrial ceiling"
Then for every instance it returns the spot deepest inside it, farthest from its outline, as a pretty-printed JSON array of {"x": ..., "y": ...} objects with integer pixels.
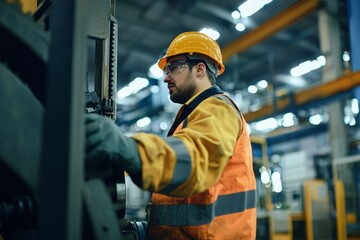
[
  {"x": 268, "y": 48},
  {"x": 277, "y": 38}
]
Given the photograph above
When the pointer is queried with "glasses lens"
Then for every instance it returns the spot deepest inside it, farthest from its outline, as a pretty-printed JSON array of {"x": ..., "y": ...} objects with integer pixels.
[{"x": 174, "y": 66}]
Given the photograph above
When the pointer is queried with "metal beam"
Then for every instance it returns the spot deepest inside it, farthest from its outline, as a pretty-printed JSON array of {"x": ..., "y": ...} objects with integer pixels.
[
  {"x": 329, "y": 89},
  {"x": 269, "y": 28},
  {"x": 61, "y": 168}
]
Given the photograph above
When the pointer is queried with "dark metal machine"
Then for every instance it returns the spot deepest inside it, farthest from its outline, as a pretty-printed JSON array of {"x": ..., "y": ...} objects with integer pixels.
[{"x": 48, "y": 60}]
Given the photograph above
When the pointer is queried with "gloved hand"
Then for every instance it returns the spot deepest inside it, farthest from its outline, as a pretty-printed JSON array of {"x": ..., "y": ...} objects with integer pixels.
[{"x": 107, "y": 148}]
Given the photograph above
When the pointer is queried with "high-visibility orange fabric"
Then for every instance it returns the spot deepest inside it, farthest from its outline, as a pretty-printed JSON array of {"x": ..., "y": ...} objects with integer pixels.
[{"x": 217, "y": 142}]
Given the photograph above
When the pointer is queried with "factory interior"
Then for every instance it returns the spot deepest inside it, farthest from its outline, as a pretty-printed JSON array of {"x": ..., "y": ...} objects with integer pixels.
[{"x": 291, "y": 66}]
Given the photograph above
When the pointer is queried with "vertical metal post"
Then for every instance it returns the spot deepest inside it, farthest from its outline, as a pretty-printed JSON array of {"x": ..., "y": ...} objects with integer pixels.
[
  {"x": 354, "y": 21},
  {"x": 330, "y": 44},
  {"x": 61, "y": 172}
]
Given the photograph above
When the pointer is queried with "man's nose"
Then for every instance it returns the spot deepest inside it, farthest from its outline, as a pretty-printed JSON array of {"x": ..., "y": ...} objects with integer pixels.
[{"x": 166, "y": 78}]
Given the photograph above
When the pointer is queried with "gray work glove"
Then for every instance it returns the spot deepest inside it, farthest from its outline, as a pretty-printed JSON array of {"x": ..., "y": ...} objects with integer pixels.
[{"x": 108, "y": 149}]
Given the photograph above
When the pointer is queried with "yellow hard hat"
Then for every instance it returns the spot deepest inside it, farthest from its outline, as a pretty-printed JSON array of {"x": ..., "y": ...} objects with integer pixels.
[{"x": 194, "y": 43}]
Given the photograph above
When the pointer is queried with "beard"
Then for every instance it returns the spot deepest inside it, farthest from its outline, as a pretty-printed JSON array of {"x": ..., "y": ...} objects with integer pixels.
[{"x": 184, "y": 92}]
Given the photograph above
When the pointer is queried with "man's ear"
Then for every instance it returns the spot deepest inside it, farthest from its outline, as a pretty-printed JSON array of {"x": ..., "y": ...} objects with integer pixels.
[{"x": 200, "y": 69}]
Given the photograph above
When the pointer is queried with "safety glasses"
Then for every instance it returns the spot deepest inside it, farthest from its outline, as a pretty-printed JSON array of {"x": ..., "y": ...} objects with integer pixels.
[{"x": 174, "y": 67}]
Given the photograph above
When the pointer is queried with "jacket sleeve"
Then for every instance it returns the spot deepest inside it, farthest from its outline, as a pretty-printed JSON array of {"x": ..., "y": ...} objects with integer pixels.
[{"x": 192, "y": 160}]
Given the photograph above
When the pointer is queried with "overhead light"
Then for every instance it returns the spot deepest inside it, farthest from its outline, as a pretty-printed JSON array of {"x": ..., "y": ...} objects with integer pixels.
[
  {"x": 155, "y": 72},
  {"x": 124, "y": 92},
  {"x": 235, "y": 14},
  {"x": 265, "y": 178},
  {"x": 262, "y": 84},
  {"x": 322, "y": 60},
  {"x": 240, "y": 27},
  {"x": 143, "y": 122},
  {"x": 276, "y": 182},
  {"x": 138, "y": 84},
  {"x": 211, "y": 33},
  {"x": 250, "y": 7},
  {"x": 133, "y": 87},
  {"x": 252, "y": 89},
  {"x": 267, "y": 124},
  {"x": 288, "y": 120},
  {"x": 355, "y": 106},
  {"x": 316, "y": 119},
  {"x": 350, "y": 120},
  {"x": 346, "y": 56},
  {"x": 308, "y": 66},
  {"x": 154, "y": 89},
  {"x": 164, "y": 126}
]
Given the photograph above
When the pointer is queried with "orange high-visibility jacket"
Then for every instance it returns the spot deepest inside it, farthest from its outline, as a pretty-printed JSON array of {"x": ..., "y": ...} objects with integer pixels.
[{"x": 202, "y": 175}]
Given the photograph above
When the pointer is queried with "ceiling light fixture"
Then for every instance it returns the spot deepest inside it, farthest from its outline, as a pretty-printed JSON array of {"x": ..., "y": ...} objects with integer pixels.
[
  {"x": 240, "y": 27},
  {"x": 235, "y": 14},
  {"x": 136, "y": 85},
  {"x": 211, "y": 33},
  {"x": 143, "y": 122},
  {"x": 266, "y": 125},
  {"x": 155, "y": 72},
  {"x": 308, "y": 66},
  {"x": 252, "y": 89},
  {"x": 315, "y": 119},
  {"x": 250, "y": 7},
  {"x": 262, "y": 84},
  {"x": 346, "y": 56}
]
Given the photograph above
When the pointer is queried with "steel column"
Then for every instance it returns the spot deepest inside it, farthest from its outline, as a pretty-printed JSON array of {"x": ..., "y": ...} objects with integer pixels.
[
  {"x": 354, "y": 21},
  {"x": 61, "y": 172}
]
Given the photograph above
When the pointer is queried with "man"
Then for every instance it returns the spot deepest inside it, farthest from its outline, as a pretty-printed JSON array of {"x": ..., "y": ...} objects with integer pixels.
[{"x": 201, "y": 175}]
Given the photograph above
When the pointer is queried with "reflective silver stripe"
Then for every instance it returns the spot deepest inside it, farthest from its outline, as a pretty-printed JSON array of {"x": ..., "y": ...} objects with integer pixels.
[
  {"x": 183, "y": 164},
  {"x": 229, "y": 101},
  {"x": 199, "y": 214}
]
